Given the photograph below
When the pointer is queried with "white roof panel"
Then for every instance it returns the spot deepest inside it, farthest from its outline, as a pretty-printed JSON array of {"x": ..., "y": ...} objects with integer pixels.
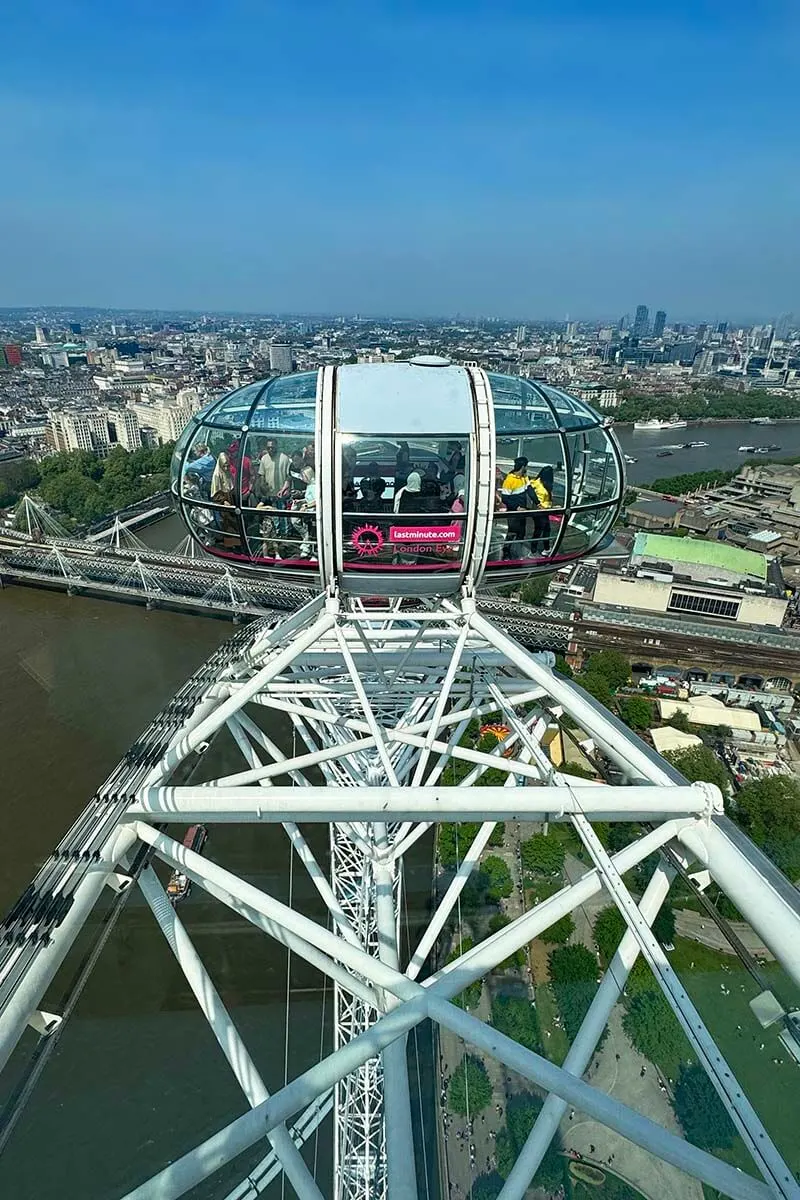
[{"x": 404, "y": 398}]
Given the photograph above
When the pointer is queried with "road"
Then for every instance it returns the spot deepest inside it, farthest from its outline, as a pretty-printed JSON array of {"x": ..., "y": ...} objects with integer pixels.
[{"x": 702, "y": 929}]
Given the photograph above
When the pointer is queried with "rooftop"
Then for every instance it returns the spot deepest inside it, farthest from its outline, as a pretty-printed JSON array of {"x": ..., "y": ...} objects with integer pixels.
[{"x": 701, "y": 553}]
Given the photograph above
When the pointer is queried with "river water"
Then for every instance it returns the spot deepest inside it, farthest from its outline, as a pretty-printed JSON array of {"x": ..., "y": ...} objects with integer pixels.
[
  {"x": 721, "y": 453},
  {"x": 137, "y": 1078}
]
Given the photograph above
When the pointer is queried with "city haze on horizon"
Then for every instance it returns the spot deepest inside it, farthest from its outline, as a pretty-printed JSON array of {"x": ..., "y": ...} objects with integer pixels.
[{"x": 448, "y": 160}]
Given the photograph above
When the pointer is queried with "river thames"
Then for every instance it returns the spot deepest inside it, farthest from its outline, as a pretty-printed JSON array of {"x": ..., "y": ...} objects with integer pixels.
[
  {"x": 137, "y": 1077},
  {"x": 722, "y": 451}
]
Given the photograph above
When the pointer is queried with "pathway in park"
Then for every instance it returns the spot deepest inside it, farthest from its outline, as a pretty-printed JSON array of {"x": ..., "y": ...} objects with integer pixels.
[{"x": 617, "y": 1071}]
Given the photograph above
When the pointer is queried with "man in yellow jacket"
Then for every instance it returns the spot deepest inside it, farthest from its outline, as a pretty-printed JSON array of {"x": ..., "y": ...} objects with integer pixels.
[{"x": 514, "y": 491}]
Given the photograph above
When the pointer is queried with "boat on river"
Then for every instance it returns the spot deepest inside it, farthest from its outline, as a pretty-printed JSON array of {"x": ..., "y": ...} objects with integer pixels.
[
  {"x": 654, "y": 425},
  {"x": 628, "y": 458},
  {"x": 180, "y": 884}
]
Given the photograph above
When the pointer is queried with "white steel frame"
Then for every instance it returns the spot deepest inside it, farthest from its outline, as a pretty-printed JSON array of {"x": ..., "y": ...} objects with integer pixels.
[{"x": 378, "y": 699}]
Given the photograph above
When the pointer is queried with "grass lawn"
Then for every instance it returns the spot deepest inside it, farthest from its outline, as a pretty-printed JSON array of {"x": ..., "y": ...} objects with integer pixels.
[
  {"x": 557, "y": 1045},
  {"x": 773, "y": 1090}
]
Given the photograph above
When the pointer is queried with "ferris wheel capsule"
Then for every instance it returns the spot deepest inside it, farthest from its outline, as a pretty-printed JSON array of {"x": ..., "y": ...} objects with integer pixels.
[{"x": 398, "y": 479}]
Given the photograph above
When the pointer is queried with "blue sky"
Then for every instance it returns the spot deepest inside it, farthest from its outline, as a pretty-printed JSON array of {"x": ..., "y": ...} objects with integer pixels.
[{"x": 518, "y": 159}]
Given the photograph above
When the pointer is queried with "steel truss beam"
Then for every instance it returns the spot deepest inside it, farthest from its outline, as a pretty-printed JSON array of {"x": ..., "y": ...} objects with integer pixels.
[{"x": 379, "y": 701}]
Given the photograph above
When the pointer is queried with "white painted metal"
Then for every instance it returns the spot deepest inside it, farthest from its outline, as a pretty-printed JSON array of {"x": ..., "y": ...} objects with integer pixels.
[{"x": 378, "y": 701}]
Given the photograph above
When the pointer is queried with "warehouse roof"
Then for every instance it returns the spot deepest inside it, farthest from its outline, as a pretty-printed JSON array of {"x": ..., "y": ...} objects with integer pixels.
[{"x": 695, "y": 550}]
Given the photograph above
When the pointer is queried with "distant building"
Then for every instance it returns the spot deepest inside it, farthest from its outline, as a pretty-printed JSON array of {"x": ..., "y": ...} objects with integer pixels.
[
  {"x": 571, "y": 331},
  {"x": 651, "y": 514},
  {"x": 80, "y": 431},
  {"x": 520, "y": 334},
  {"x": 13, "y": 355},
  {"x": 704, "y": 363},
  {"x": 696, "y": 579},
  {"x": 683, "y": 352},
  {"x": 75, "y": 327},
  {"x": 42, "y": 335},
  {"x": 167, "y": 419},
  {"x": 659, "y": 323},
  {"x": 599, "y": 395},
  {"x": 722, "y": 328},
  {"x": 641, "y": 321},
  {"x": 124, "y": 428},
  {"x": 280, "y": 357}
]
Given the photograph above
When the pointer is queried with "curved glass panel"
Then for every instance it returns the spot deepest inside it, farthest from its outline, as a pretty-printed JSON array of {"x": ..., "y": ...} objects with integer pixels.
[
  {"x": 404, "y": 502},
  {"x": 519, "y": 406},
  {"x": 595, "y": 472},
  {"x": 571, "y": 413},
  {"x": 585, "y": 529},
  {"x": 233, "y": 410},
  {"x": 288, "y": 403}
]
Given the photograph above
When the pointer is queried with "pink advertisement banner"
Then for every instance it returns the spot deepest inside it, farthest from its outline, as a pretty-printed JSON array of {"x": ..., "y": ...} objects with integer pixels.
[{"x": 420, "y": 535}]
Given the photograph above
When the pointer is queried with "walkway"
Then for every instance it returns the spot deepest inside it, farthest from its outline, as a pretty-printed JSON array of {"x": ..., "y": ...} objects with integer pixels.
[{"x": 617, "y": 1071}]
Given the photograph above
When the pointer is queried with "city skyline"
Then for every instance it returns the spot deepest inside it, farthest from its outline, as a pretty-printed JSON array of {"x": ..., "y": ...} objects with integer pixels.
[{"x": 501, "y": 161}]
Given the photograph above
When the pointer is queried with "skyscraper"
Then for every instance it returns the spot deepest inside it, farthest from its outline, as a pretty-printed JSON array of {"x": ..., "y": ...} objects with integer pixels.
[
  {"x": 641, "y": 321},
  {"x": 659, "y": 323},
  {"x": 520, "y": 334},
  {"x": 280, "y": 357}
]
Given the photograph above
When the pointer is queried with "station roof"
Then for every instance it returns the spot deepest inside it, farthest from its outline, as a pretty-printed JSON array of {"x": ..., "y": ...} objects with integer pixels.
[{"x": 701, "y": 553}]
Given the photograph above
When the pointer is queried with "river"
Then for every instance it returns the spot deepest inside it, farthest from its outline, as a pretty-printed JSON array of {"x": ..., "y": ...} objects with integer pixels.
[
  {"x": 721, "y": 453},
  {"x": 137, "y": 1078}
]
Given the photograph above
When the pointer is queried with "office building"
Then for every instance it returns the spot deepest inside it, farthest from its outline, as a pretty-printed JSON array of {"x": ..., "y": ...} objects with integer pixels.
[
  {"x": 280, "y": 357},
  {"x": 13, "y": 355},
  {"x": 75, "y": 327},
  {"x": 167, "y": 419},
  {"x": 689, "y": 577},
  {"x": 702, "y": 330},
  {"x": 641, "y": 321},
  {"x": 722, "y": 328},
  {"x": 520, "y": 334},
  {"x": 123, "y": 428},
  {"x": 571, "y": 330},
  {"x": 659, "y": 323},
  {"x": 42, "y": 335},
  {"x": 80, "y": 431}
]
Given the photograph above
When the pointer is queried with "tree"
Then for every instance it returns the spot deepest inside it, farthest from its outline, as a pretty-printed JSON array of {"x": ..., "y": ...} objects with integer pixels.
[
  {"x": 769, "y": 811},
  {"x": 699, "y": 763},
  {"x": 560, "y": 931},
  {"x": 497, "y": 834},
  {"x": 542, "y": 854},
  {"x": 654, "y": 1030},
  {"x": 534, "y": 590},
  {"x": 573, "y": 980},
  {"x": 636, "y": 712},
  {"x": 609, "y": 927},
  {"x": 521, "y": 1112},
  {"x": 700, "y": 1110},
  {"x": 469, "y": 1090},
  {"x": 562, "y": 667},
  {"x": 487, "y": 1187},
  {"x": 516, "y": 1017},
  {"x": 597, "y": 686},
  {"x": 454, "y": 840},
  {"x": 471, "y": 995},
  {"x": 499, "y": 881},
  {"x": 613, "y": 666},
  {"x": 664, "y": 924},
  {"x": 679, "y": 720},
  {"x": 515, "y": 961}
]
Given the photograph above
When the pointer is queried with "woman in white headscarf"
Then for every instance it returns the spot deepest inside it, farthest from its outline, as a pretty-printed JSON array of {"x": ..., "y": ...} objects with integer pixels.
[{"x": 408, "y": 497}]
